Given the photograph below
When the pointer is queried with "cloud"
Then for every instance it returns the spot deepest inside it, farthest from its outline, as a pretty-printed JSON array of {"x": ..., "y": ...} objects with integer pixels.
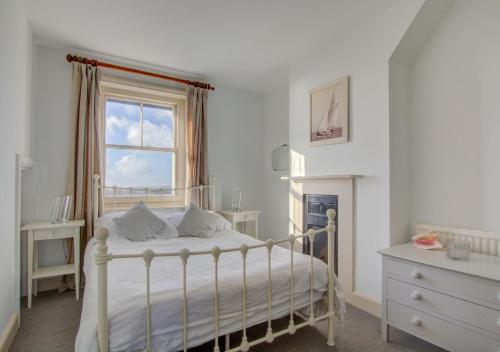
[
  {"x": 115, "y": 123},
  {"x": 159, "y": 114},
  {"x": 131, "y": 165},
  {"x": 130, "y": 109},
  {"x": 157, "y": 136},
  {"x": 153, "y": 135}
]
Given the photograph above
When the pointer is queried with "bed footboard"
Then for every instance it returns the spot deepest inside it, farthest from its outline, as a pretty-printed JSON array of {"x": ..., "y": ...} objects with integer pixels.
[{"x": 102, "y": 258}]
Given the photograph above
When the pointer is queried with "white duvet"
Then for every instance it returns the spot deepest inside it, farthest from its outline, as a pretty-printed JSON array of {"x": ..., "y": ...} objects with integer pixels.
[{"x": 127, "y": 285}]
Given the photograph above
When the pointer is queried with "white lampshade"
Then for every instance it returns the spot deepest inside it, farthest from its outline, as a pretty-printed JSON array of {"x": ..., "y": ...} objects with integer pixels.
[{"x": 280, "y": 158}]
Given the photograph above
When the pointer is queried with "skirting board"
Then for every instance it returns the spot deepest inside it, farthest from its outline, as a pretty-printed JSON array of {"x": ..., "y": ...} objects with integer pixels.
[
  {"x": 362, "y": 302},
  {"x": 9, "y": 332}
]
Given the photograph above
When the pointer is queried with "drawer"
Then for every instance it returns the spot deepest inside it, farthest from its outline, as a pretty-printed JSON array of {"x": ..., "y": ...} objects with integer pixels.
[
  {"x": 244, "y": 217},
  {"x": 47, "y": 234},
  {"x": 452, "y": 283},
  {"x": 439, "y": 331},
  {"x": 423, "y": 299}
]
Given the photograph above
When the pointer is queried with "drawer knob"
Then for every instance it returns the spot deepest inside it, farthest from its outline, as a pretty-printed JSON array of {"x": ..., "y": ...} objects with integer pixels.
[
  {"x": 416, "y": 321},
  {"x": 416, "y": 295},
  {"x": 416, "y": 274}
]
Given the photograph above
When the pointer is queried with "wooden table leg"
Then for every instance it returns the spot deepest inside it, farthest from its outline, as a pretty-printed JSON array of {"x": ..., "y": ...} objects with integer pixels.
[
  {"x": 76, "y": 246},
  {"x": 30, "y": 266},
  {"x": 35, "y": 266},
  {"x": 256, "y": 228}
]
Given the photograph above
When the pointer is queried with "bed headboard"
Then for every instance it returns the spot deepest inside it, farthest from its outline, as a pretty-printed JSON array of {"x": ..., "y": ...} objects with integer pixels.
[
  {"x": 113, "y": 198},
  {"x": 481, "y": 241}
]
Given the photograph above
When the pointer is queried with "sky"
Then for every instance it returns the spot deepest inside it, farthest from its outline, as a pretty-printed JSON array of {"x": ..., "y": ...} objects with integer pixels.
[{"x": 127, "y": 167}]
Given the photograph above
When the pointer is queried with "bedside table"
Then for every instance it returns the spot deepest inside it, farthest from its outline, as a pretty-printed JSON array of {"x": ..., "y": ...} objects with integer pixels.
[
  {"x": 47, "y": 231},
  {"x": 243, "y": 217}
]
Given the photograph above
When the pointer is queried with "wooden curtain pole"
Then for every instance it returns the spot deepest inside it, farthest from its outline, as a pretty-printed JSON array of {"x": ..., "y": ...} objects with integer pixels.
[{"x": 93, "y": 62}]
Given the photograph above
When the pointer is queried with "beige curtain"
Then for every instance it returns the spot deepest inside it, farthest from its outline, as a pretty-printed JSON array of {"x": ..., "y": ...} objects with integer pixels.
[
  {"x": 197, "y": 145},
  {"x": 85, "y": 146}
]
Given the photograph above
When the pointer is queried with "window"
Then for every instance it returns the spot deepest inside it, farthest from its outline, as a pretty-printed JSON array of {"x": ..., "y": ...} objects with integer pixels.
[{"x": 144, "y": 139}]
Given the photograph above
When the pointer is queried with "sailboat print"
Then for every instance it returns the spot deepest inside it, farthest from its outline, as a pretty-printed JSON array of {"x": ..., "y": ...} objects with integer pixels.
[{"x": 330, "y": 125}]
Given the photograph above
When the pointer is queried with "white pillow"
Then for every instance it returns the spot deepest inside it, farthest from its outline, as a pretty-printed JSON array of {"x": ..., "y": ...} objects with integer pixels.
[
  {"x": 170, "y": 231},
  {"x": 107, "y": 222},
  {"x": 200, "y": 223},
  {"x": 175, "y": 218},
  {"x": 139, "y": 223}
]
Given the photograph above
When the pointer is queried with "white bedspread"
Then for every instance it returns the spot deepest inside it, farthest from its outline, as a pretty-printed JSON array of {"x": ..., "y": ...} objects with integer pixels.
[{"x": 127, "y": 285}]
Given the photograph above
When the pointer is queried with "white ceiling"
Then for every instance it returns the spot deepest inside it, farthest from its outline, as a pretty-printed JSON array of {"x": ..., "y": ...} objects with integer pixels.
[{"x": 248, "y": 44}]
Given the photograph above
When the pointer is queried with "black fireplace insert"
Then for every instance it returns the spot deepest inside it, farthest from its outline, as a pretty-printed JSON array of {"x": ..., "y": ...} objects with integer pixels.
[{"x": 315, "y": 207}]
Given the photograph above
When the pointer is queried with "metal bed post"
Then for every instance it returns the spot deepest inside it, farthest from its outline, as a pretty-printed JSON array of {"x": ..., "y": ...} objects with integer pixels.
[
  {"x": 330, "y": 228},
  {"x": 96, "y": 200},
  {"x": 101, "y": 259},
  {"x": 212, "y": 195},
  {"x": 148, "y": 255}
]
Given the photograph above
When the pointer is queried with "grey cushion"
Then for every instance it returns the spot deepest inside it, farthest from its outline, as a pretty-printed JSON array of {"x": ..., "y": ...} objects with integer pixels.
[
  {"x": 139, "y": 223},
  {"x": 200, "y": 223}
]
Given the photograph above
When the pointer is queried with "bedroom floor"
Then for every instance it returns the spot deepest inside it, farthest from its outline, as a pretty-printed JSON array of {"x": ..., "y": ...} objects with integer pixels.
[{"x": 52, "y": 324}]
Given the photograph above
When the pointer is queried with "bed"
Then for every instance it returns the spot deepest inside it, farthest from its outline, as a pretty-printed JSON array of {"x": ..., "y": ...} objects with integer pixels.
[{"x": 178, "y": 293}]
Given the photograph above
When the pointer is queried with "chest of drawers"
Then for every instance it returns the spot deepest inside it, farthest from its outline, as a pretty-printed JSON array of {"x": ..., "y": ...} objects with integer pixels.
[{"x": 452, "y": 304}]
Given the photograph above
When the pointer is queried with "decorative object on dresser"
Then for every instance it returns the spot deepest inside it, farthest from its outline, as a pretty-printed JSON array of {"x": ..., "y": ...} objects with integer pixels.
[
  {"x": 329, "y": 113},
  {"x": 242, "y": 218},
  {"x": 47, "y": 231},
  {"x": 453, "y": 304}
]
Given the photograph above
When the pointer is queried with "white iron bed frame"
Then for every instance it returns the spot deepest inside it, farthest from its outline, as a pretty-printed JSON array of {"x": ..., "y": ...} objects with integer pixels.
[{"x": 102, "y": 257}]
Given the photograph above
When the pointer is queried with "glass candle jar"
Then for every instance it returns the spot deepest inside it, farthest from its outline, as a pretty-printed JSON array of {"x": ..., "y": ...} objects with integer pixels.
[
  {"x": 458, "y": 250},
  {"x": 237, "y": 201}
]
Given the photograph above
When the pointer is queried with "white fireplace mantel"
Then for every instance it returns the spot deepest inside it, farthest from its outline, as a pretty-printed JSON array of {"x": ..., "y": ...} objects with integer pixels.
[
  {"x": 344, "y": 187},
  {"x": 300, "y": 179}
]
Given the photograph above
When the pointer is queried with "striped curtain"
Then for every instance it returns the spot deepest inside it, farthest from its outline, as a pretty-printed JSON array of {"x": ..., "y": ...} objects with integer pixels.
[
  {"x": 85, "y": 159},
  {"x": 197, "y": 144}
]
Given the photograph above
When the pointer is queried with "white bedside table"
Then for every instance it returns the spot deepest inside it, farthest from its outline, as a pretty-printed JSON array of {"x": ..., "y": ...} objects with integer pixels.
[
  {"x": 47, "y": 231},
  {"x": 243, "y": 217}
]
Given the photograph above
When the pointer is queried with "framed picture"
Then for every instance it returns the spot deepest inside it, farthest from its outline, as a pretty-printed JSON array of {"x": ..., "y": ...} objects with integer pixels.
[{"x": 329, "y": 113}]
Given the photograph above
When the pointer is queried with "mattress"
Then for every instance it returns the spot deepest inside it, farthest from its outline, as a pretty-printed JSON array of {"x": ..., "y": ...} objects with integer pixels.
[{"x": 127, "y": 288}]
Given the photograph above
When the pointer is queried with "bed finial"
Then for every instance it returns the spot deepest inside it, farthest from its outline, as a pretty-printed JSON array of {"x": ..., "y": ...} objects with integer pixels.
[{"x": 101, "y": 234}]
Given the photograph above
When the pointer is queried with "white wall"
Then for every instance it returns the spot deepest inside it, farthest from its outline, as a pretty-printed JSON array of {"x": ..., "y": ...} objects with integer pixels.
[
  {"x": 236, "y": 121},
  {"x": 454, "y": 90},
  {"x": 274, "y": 223},
  {"x": 50, "y": 144},
  {"x": 363, "y": 54},
  {"x": 15, "y": 103},
  {"x": 235, "y": 144},
  {"x": 399, "y": 140}
]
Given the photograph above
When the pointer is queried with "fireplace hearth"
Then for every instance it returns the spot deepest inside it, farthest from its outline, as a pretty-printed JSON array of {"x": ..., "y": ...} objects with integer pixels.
[{"x": 315, "y": 207}]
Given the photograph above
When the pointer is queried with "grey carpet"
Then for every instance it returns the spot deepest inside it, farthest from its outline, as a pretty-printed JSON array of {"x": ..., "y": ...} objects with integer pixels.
[{"x": 52, "y": 323}]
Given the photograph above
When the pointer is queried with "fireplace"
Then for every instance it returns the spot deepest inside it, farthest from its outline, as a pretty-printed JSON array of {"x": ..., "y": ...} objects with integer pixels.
[{"x": 315, "y": 207}]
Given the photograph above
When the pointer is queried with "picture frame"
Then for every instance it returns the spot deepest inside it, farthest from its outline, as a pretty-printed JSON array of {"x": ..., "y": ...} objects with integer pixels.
[{"x": 329, "y": 113}]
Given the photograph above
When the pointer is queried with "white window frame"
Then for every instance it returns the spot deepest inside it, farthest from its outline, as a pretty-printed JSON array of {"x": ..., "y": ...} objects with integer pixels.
[{"x": 127, "y": 90}]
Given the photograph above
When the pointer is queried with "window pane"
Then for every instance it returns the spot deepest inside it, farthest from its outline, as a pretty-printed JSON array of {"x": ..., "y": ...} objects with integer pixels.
[
  {"x": 158, "y": 126},
  {"x": 123, "y": 122},
  {"x": 132, "y": 168}
]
